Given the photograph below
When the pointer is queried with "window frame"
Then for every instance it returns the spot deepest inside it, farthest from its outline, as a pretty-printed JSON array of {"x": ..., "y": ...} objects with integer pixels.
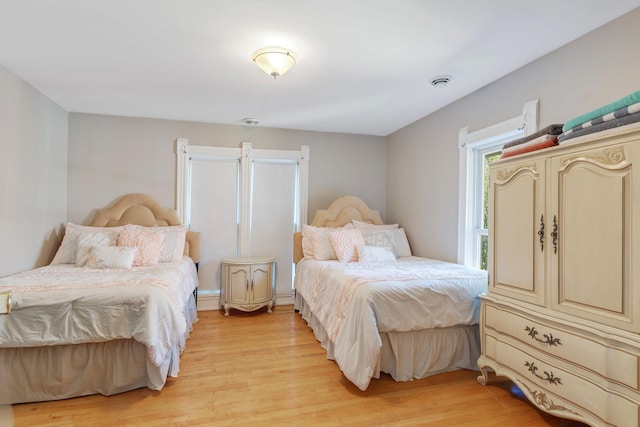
[
  {"x": 245, "y": 157},
  {"x": 473, "y": 147}
]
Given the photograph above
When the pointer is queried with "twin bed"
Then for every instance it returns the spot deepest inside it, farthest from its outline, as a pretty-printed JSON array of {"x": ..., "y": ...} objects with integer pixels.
[
  {"x": 407, "y": 316},
  {"x": 110, "y": 314}
]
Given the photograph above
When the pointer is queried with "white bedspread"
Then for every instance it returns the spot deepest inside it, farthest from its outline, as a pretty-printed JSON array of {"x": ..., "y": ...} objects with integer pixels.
[
  {"x": 64, "y": 304},
  {"x": 354, "y": 301}
]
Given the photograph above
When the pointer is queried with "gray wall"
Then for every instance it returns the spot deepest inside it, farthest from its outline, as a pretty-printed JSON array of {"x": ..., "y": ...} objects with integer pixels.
[
  {"x": 411, "y": 176},
  {"x": 110, "y": 156},
  {"x": 33, "y": 175},
  {"x": 422, "y": 159}
]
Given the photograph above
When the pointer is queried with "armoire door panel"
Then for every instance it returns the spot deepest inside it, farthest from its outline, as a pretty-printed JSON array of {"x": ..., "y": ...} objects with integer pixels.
[
  {"x": 591, "y": 238},
  {"x": 591, "y": 270},
  {"x": 518, "y": 205},
  {"x": 515, "y": 210}
]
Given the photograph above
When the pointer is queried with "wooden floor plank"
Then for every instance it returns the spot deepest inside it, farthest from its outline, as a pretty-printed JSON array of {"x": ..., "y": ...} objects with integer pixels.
[{"x": 252, "y": 369}]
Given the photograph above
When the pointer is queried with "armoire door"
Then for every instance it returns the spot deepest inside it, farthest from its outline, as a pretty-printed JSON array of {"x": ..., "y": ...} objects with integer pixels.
[
  {"x": 517, "y": 230},
  {"x": 592, "y": 264}
]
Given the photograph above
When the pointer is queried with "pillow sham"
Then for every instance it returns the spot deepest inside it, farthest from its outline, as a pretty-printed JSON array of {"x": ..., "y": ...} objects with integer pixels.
[
  {"x": 307, "y": 244},
  {"x": 345, "y": 242},
  {"x": 396, "y": 239},
  {"x": 67, "y": 252},
  {"x": 381, "y": 238},
  {"x": 148, "y": 243},
  {"x": 111, "y": 257},
  {"x": 361, "y": 224},
  {"x": 400, "y": 242},
  {"x": 174, "y": 240},
  {"x": 369, "y": 254},
  {"x": 316, "y": 243},
  {"x": 86, "y": 241}
]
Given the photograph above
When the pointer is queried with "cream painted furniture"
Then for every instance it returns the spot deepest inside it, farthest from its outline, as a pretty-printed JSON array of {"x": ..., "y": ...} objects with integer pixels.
[
  {"x": 562, "y": 313},
  {"x": 248, "y": 283}
]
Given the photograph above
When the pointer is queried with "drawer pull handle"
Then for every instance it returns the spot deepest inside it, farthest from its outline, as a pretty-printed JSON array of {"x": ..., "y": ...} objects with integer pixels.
[
  {"x": 548, "y": 376},
  {"x": 548, "y": 338},
  {"x": 554, "y": 235},
  {"x": 541, "y": 233}
]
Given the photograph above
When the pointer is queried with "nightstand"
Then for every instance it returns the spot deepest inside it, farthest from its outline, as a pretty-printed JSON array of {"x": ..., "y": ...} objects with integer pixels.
[{"x": 247, "y": 284}]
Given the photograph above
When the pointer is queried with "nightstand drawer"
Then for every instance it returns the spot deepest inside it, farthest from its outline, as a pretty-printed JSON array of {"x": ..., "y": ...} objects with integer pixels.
[
  {"x": 573, "y": 346},
  {"x": 546, "y": 381}
]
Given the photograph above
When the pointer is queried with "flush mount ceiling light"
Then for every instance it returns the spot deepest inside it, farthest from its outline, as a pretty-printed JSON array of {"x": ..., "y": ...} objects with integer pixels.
[
  {"x": 440, "y": 81},
  {"x": 274, "y": 60}
]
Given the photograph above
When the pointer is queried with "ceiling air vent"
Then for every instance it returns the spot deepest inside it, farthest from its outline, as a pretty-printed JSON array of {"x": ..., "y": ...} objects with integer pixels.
[{"x": 440, "y": 81}]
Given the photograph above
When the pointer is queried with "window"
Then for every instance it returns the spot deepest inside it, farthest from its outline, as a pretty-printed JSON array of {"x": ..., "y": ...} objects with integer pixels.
[
  {"x": 477, "y": 151},
  {"x": 481, "y": 239},
  {"x": 244, "y": 202}
]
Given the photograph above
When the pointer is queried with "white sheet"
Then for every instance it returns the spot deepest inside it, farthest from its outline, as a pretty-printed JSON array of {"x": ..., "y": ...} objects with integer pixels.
[
  {"x": 354, "y": 302},
  {"x": 64, "y": 304}
]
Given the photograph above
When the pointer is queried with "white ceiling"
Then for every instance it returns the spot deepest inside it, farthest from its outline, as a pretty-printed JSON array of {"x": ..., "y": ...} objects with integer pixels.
[{"x": 364, "y": 66}]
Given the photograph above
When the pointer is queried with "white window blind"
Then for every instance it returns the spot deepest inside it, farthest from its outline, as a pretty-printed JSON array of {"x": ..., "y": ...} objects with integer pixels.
[{"x": 245, "y": 202}]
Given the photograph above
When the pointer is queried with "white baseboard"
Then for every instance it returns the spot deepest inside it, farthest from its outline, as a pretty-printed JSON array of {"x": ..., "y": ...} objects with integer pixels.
[{"x": 208, "y": 302}]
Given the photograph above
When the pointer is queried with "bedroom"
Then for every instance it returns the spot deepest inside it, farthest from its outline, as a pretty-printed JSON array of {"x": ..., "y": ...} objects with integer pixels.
[{"x": 62, "y": 165}]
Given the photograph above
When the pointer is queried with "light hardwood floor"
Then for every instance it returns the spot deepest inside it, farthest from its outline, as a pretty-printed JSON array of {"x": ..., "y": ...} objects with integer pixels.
[{"x": 267, "y": 369}]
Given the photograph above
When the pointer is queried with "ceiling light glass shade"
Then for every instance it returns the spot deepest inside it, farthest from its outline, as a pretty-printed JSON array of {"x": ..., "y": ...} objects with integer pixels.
[{"x": 274, "y": 61}]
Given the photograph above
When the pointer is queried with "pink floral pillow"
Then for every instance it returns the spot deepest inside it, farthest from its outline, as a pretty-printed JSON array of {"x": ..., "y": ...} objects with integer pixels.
[
  {"x": 345, "y": 243},
  {"x": 173, "y": 243},
  {"x": 148, "y": 243}
]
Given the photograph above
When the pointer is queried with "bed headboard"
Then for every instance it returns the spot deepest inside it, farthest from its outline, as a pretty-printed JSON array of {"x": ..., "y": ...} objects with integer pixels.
[
  {"x": 339, "y": 213},
  {"x": 141, "y": 209}
]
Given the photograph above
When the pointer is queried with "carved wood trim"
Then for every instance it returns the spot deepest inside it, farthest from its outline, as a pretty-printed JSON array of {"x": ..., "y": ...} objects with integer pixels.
[
  {"x": 610, "y": 158},
  {"x": 506, "y": 174}
]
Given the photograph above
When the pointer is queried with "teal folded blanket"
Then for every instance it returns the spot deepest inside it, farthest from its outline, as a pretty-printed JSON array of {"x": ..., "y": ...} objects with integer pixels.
[{"x": 606, "y": 109}]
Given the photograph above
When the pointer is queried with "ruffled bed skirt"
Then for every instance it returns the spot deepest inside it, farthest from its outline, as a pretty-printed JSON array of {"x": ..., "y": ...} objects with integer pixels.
[
  {"x": 414, "y": 354},
  {"x": 33, "y": 374}
]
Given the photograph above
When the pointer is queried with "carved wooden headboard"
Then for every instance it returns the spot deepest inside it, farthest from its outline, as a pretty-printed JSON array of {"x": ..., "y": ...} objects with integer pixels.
[{"x": 339, "y": 213}]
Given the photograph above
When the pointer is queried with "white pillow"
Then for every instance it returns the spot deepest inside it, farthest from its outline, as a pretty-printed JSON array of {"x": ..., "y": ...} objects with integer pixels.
[
  {"x": 344, "y": 242},
  {"x": 381, "y": 238},
  {"x": 111, "y": 257},
  {"x": 316, "y": 243},
  {"x": 67, "y": 251},
  {"x": 369, "y": 254},
  {"x": 86, "y": 241},
  {"x": 361, "y": 224},
  {"x": 396, "y": 239},
  {"x": 400, "y": 242}
]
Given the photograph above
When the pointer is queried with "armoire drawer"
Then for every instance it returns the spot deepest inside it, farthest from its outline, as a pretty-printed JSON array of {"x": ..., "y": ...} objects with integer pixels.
[
  {"x": 566, "y": 343},
  {"x": 549, "y": 383}
]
